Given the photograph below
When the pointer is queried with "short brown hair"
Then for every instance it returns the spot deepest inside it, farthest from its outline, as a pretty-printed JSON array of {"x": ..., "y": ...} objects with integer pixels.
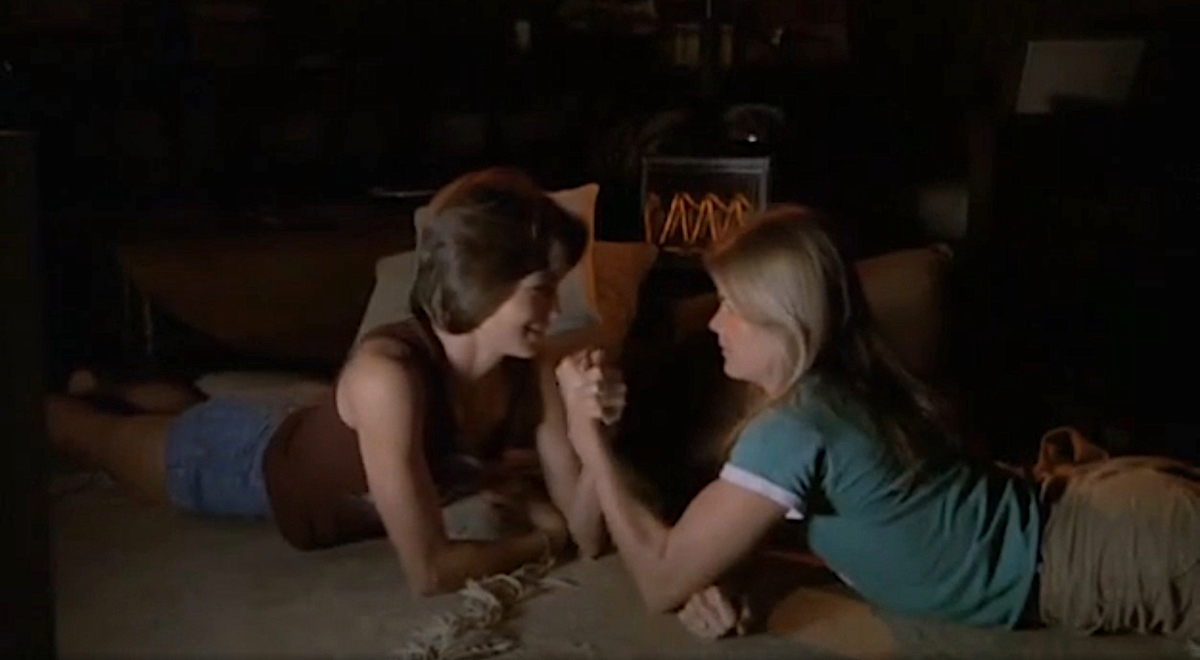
[{"x": 481, "y": 235}]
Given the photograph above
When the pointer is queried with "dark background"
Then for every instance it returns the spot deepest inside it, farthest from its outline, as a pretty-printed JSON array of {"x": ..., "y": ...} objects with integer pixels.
[{"x": 1072, "y": 286}]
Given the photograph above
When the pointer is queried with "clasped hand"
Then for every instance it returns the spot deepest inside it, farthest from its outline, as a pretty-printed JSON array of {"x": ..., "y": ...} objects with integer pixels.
[{"x": 590, "y": 388}]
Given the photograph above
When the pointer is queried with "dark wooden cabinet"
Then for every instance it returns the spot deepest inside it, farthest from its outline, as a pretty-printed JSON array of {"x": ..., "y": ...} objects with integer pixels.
[
  {"x": 26, "y": 616},
  {"x": 1078, "y": 275}
]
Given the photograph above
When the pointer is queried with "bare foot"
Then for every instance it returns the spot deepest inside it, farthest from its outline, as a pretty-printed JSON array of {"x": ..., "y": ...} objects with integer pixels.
[
  {"x": 129, "y": 448},
  {"x": 65, "y": 416},
  {"x": 148, "y": 397},
  {"x": 160, "y": 397},
  {"x": 82, "y": 382}
]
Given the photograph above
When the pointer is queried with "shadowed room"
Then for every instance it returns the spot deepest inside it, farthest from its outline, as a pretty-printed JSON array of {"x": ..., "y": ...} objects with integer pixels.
[{"x": 225, "y": 198}]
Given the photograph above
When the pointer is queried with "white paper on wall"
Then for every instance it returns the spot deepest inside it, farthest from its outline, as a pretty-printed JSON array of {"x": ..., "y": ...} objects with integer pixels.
[{"x": 1094, "y": 69}]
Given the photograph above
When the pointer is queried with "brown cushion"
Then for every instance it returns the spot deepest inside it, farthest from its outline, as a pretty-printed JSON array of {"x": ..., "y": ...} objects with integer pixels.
[
  {"x": 299, "y": 295},
  {"x": 619, "y": 271},
  {"x": 295, "y": 295},
  {"x": 906, "y": 293}
]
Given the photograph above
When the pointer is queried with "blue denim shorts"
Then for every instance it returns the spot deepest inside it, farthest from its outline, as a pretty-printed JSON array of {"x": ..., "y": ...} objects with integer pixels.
[{"x": 215, "y": 457}]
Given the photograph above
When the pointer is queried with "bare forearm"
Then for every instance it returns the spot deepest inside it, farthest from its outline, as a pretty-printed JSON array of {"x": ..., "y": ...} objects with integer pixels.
[
  {"x": 457, "y": 561},
  {"x": 573, "y": 492},
  {"x": 586, "y": 519},
  {"x": 641, "y": 538},
  {"x": 561, "y": 473}
]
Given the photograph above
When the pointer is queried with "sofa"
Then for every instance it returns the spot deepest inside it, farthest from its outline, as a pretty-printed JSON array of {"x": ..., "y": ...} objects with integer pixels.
[{"x": 296, "y": 299}]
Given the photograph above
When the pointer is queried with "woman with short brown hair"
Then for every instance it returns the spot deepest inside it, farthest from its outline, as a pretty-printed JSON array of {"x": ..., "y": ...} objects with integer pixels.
[{"x": 420, "y": 416}]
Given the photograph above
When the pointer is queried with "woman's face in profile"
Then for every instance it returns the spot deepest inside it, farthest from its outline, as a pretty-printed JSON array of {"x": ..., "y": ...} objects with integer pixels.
[
  {"x": 751, "y": 353},
  {"x": 518, "y": 327}
]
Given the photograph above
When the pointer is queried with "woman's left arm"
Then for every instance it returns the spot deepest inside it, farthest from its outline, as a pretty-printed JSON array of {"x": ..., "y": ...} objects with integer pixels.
[
  {"x": 669, "y": 564},
  {"x": 571, "y": 488}
]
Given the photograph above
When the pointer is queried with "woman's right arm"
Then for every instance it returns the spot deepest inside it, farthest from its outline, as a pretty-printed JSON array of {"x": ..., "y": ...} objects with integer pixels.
[
  {"x": 383, "y": 401},
  {"x": 669, "y": 564}
]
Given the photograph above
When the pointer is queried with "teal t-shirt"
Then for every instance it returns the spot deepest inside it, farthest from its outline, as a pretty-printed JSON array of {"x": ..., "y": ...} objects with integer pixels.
[{"x": 958, "y": 542}]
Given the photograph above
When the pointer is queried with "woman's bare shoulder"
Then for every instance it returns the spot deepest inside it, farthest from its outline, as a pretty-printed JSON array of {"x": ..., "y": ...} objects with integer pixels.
[
  {"x": 379, "y": 375},
  {"x": 381, "y": 346}
]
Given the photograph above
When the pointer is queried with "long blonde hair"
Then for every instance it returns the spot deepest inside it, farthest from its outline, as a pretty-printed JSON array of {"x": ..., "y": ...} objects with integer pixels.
[{"x": 782, "y": 272}]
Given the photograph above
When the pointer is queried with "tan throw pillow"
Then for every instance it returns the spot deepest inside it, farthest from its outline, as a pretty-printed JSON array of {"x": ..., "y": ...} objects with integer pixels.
[
  {"x": 904, "y": 290},
  {"x": 581, "y": 202},
  {"x": 394, "y": 275},
  {"x": 271, "y": 387},
  {"x": 619, "y": 271}
]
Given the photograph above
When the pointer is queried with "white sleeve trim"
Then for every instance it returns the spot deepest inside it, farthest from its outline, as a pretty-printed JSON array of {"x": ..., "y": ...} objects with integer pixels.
[{"x": 750, "y": 481}]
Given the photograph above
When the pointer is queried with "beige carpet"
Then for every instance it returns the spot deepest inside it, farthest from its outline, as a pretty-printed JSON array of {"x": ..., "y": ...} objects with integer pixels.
[{"x": 138, "y": 581}]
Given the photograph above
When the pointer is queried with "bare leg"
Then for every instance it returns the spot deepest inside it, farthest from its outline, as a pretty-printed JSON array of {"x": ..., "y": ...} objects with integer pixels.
[
  {"x": 130, "y": 448},
  {"x": 150, "y": 396}
]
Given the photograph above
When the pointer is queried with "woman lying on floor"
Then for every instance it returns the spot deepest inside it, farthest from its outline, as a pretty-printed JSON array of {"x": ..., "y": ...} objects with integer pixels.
[
  {"x": 845, "y": 438},
  {"x": 420, "y": 416}
]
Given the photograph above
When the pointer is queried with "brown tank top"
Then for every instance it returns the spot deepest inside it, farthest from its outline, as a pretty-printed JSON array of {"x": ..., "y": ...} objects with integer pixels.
[{"x": 313, "y": 467}]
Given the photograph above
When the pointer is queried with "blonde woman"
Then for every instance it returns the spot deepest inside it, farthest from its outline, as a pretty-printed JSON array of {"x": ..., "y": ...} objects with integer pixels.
[{"x": 846, "y": 439}]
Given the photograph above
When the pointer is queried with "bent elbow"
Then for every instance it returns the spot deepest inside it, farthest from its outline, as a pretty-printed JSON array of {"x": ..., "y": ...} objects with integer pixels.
[
  {"x": 660, "y": 597},
  {"x": 427, "y": 583},
  {"x": 659, "y": 603},
  {"x": 591, "y": 550},
  {"x": 590, "y": 540},
  {"x": 590, "y": 546},
  {"x": 426, "y": 578},
  {"x": 428, "y": 590}
]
